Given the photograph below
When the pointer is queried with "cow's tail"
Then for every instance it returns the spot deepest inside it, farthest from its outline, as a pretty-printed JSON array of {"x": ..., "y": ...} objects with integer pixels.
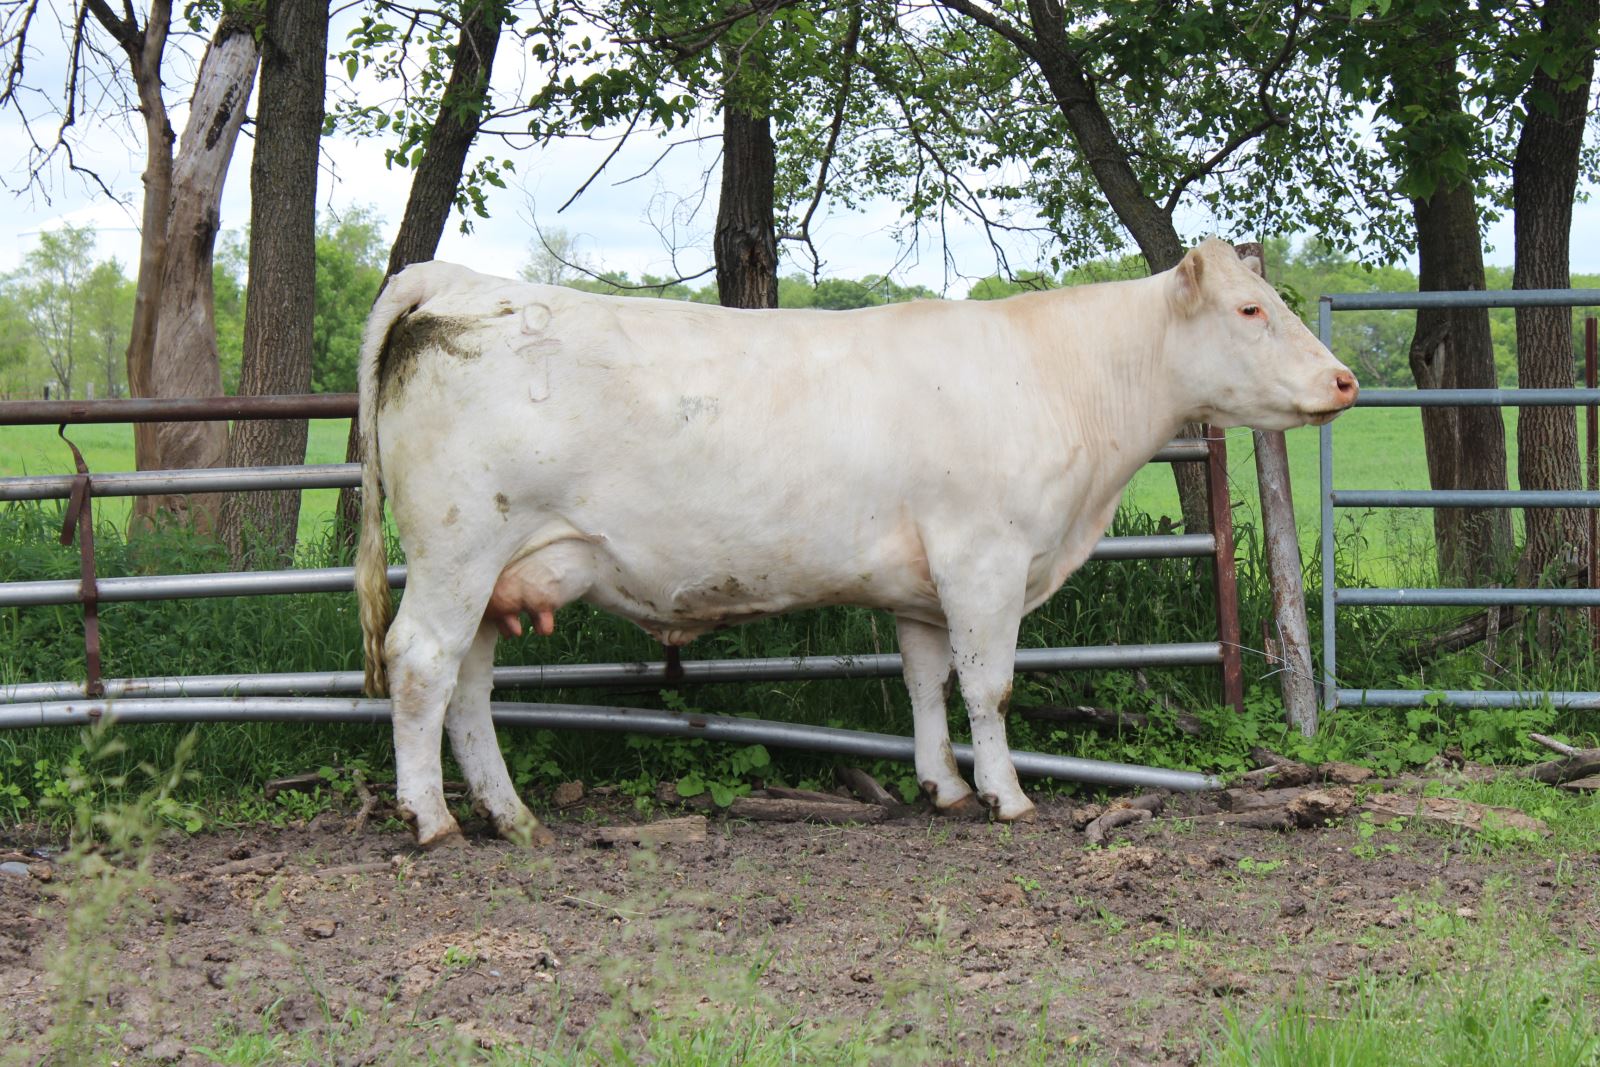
[{"x": 403, "y": 293}]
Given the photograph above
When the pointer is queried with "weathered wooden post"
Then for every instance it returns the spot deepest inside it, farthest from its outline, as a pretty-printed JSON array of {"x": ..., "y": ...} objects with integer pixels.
[{"x": 1290, "y": 648}]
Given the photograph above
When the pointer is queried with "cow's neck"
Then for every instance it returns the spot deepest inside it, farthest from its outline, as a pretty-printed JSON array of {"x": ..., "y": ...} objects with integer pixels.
[{"x": 1110, "y": 377}]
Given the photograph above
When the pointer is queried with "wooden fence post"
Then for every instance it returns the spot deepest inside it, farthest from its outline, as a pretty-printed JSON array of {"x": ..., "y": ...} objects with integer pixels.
[{"x": 1289, "y": 649}]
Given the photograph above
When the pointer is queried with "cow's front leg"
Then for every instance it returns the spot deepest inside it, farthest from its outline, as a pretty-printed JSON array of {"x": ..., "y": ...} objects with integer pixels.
[
  {"x": 472, "y": 738},
  {"x": 982, "y": 599},
  {"x": 925, "y": 661}
]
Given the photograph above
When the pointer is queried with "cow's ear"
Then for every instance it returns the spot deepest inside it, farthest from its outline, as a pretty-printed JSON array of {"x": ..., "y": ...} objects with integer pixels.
[
  {"x": 1254, "y": 265},
  {"x": 1187, "y": 280}
]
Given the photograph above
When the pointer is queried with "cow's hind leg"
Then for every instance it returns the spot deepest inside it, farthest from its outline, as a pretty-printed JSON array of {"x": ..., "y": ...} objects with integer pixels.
[
  {"x": 982, "y": 599},
  {"x": 472, "y": 738},
  {"x": 431, "y": 634},
  {"x": 925, "y": 660}
]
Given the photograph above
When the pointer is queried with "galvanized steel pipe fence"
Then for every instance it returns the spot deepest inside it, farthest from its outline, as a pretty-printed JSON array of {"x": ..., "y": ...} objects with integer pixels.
[
  {"x": 1333, "y": 597},
  {"x": 313, "y": 696}
]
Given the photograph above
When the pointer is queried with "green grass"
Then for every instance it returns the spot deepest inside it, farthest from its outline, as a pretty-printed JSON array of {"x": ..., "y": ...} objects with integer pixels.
[
  {"x": 1495, "y": 991},
  {"x": 108, "y": 449}
]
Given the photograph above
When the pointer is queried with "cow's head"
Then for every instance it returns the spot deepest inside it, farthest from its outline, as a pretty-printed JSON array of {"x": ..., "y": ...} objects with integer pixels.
[{"x": 1240, "y": 356}]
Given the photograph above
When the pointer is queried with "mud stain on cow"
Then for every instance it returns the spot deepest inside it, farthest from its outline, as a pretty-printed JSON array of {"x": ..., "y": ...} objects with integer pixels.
[
  {"x": 502, "y": 504},
  {"x": 413, "y": 334},
  {"x": 1004, "y": 707},
  {"x": 452, "y": 516}
]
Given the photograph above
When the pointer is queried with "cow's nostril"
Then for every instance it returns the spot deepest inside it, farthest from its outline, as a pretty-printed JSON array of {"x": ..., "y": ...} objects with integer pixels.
[{"x": 1345, "y": 383}]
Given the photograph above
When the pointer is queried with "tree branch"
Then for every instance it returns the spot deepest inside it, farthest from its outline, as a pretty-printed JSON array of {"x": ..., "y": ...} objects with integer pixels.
[
  {"x": 604, "y": 162},
  {"x": 713, "y": 31},
  {"x": 851, "y": 40},
  {"x": 991, "y": 21},
  {"x": 1243, "y": 137}
]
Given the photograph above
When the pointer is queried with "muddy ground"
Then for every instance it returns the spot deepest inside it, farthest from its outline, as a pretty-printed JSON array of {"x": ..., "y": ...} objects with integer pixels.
[{"x": 919, "y": 939}]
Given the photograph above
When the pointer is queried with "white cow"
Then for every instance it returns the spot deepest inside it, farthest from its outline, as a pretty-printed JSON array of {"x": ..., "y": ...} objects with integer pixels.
[{"x": 688, "y": 467}]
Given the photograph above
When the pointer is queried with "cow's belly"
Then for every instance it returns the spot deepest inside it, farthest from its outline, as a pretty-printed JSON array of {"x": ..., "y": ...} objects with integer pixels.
[{"x": 677, "y": 597}]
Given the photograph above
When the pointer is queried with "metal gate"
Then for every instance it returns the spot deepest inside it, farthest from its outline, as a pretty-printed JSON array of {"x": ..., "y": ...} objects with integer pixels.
[{"x": 1333, "y": 596}]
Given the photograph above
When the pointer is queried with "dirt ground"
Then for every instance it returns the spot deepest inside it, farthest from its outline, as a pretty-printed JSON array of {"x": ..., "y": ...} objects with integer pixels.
[{"x": 926, "y": 938}]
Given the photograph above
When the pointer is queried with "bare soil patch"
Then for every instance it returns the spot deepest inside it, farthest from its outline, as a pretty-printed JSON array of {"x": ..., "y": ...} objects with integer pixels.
[{"x": 955, "y": 941}]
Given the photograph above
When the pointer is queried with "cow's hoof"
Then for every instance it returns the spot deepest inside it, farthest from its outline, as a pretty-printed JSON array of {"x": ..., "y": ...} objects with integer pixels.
[
  {"x": 444, "y": 839},
  {"x": 1010, "y": 813},
  {"x": 967, "y": 807},
  {"x": 526, "y": 831}
]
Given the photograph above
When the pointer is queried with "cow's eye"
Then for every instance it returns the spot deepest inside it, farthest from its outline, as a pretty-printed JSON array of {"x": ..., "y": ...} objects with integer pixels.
[{"x": 1252, "y": 311}]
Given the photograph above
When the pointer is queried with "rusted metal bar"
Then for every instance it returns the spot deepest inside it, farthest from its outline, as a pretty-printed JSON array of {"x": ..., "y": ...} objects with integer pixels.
[
  {"x": 1590, "y": 347},
  {"x": 79, "y": 520},
  {"x": 180, "y": 409},
  {"x": 1227, "y": 581}
]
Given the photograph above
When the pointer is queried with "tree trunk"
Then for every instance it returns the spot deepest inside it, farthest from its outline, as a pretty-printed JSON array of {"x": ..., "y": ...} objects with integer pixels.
[
  {"x": 259, "y": 528},
  {"x": 145, "y": 49},
  {"x": 1544, "y": 182},
  {"x": 745, "y": 242},
  {"x": 1107, "y": 157},
  {"x": 433, "y": 188},
  {"x": 1452, "y": 349},
  {"x": 184, "y": 359}
]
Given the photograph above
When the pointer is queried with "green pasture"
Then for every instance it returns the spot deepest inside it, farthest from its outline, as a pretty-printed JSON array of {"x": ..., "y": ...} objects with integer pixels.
[
  {"x": 109, "y": 448},
  {"x": 1374, "y": 448}
]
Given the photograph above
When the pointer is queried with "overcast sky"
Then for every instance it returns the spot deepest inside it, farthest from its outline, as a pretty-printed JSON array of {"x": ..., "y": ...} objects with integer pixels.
[{"x": 616, "y": 222}]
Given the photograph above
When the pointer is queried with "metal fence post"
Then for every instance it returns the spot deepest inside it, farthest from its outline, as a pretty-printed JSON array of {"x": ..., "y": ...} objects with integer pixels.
[{"x": 1330, "y": 691}]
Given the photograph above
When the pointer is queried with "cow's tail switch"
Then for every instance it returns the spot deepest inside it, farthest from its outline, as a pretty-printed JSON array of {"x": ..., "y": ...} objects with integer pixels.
[{"x": 402, "y": 293}]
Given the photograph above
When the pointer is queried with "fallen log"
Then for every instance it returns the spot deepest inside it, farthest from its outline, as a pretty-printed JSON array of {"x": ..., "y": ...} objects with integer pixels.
[
  {"x": 1285, "y": 775},
  {"x": 1240, "y": 800},
  {"x": 1285, "y": 809},
  {"x": 1583, "y": 785},
  {"x": 1582, "y": 763},
  {"x": 1105, "y": 718},
  {"x": 267, "y": 861},
  {"x": 1560, "y": 748},
  {"x": 783, "y": 792},
  {"x": 865, "y": 787},
  {"x": 779, "y": 809},
  {"x": 1151, "y": 802},
  {"x": 1095, "y": 833},
  {"x": 1266, "y": 819},
  {"x": 687, "y": 830},
  {"x": 1451, "y": 811},
  {"x": 1485, "y": 625},
  {"x": 1280, "y": 773}
]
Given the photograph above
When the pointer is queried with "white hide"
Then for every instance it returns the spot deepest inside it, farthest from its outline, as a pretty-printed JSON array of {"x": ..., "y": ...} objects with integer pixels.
[{"x": 688, "y": 467}]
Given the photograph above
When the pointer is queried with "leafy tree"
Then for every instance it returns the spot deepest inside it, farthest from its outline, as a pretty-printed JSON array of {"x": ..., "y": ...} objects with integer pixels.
[
  {"x": 1555, "y": 106},
  {"x": 350, "y": 262},
  {"x": 107, "y": 318},
  {"x": 54, "y": 297},
  {"x": 227, "y": 274},
  {"x": 16, "y": 347}
]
